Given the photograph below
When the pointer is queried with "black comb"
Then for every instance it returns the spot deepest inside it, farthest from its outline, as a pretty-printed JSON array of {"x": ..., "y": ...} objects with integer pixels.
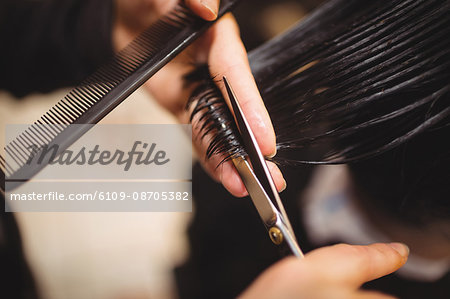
[{"x": 101, "y": 92}]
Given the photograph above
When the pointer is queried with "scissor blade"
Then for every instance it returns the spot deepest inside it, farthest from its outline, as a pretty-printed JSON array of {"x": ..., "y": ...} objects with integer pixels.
[
  {"x": 261, "y": 201},
  {"x": 250, "y": 143},
  {"x": 256, "y": 158}
]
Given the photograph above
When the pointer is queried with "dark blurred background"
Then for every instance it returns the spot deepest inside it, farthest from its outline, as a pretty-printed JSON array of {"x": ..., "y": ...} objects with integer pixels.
[{"x": 260, "y": 20}]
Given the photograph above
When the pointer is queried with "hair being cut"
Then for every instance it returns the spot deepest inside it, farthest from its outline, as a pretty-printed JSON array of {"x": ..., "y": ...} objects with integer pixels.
[{"x": 359, "y": 82}]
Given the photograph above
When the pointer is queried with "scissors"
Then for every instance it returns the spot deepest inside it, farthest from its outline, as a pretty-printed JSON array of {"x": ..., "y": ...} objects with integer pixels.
[{"x": 257, "y": 179}]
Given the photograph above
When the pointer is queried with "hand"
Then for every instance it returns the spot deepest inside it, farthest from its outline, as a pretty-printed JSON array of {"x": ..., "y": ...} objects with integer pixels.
[
  {"x": 225, "y": 54},
  {"x": 330, "y": 272}
]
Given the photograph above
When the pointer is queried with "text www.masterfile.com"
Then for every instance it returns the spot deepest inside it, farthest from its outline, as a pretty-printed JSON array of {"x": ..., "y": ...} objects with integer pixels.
[{"x": 101, "y": 195}]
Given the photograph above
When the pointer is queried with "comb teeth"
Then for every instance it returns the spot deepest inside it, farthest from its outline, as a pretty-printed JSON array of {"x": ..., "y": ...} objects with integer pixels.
[
  {"x": 2, "y": 163},
  {"x": 110, "y": 84}
]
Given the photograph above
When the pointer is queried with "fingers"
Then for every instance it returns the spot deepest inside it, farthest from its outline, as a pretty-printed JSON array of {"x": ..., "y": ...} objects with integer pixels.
[
  {"x": 228, "y": 57},
  {"x": 232, "y": 181},
  {"x": 226, "y": 172},
  {"x": 277, "y": 176},
  {"x": 355, "y": 265},
  {"x": 222, "y": 48},
  {"x": 330, "y": 272},
  {"x": 206, "y": 9}
]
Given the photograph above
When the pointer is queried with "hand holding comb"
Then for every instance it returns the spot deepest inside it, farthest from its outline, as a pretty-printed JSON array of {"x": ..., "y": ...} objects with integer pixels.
[{"x": 100, "y": 93}]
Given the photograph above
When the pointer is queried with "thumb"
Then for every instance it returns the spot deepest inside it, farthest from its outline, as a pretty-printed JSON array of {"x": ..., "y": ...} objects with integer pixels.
[
  {"x": 206, "y": 9},
  {"x": 355, "y": 265}
]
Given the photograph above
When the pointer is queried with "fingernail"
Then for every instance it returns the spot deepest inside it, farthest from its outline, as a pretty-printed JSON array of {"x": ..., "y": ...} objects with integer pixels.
[
  {"x": 211, "y": 6},
  {"x": 273, "y": 154},
  {"x": 242, "y": 193},
  {"x": 401, "y": 248},
  {"x": 284, "y": 186}
]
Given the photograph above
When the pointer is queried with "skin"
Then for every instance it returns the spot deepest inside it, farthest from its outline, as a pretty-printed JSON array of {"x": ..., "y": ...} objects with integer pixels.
[
  {"x": 222, "y": 48},
  {"x": 330, "y": 272}
]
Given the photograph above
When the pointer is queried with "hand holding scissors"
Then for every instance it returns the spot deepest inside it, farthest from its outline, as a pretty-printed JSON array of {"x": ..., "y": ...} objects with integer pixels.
[{"x": 259, "y": 183}]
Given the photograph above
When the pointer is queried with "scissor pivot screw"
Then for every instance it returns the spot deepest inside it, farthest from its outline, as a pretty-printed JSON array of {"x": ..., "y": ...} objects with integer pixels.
[{"x": 276, "y": 235}]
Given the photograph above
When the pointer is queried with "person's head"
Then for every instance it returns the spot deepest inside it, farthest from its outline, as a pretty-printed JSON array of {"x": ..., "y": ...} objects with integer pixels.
[{"x": 361, "y": 83}]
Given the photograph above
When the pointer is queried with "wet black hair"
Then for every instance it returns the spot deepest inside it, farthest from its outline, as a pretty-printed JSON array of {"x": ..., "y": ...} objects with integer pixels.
[{"x": 360, "y": 82}]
